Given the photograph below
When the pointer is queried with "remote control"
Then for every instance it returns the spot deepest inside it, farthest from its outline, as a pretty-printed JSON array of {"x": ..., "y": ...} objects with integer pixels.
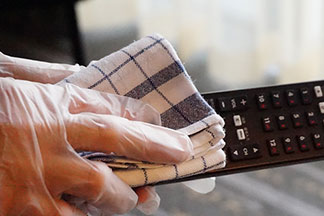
[{"x": 270, "y": 126}]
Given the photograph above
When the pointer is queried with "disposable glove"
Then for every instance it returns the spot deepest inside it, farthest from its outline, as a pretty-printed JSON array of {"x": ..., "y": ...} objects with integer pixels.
[
  {"x": 36, "y": 71},
  {"x": 42, "y": 127},
  {"x": 45, "y": 72}
]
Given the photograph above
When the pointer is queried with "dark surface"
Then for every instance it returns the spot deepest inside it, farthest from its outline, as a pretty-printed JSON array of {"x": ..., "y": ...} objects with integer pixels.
[{"x": 42, "y": 30}]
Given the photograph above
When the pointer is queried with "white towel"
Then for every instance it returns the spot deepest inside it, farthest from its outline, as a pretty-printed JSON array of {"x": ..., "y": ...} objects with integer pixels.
[{"x": 150, "y": 70}]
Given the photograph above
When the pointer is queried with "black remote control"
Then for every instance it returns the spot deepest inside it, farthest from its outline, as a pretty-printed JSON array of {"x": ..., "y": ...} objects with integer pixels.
[{"x": 270, "y": 126}]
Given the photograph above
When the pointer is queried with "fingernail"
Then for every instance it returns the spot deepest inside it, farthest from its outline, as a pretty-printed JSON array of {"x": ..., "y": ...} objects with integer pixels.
[{"x": 152, "y": 202}]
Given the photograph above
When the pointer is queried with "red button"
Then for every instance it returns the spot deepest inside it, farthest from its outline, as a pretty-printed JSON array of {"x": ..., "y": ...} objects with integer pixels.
[{"x": 274, "y": 150}]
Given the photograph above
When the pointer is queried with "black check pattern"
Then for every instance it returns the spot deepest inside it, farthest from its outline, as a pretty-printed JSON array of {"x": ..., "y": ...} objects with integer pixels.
[
  {"x": 129, "y": 72},
  {"x": 185, "y": 113}
]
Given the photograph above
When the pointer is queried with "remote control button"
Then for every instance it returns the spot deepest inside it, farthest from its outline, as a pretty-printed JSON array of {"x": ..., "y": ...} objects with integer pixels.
[
  {"x": 237, "y": 120},
  {"x": 276, "y": 99},
  {"x": 287, "y": 143},
  {"x": 318, "y": 91},
  {"x": 273, "y": 147},
  {"x": 306, "y": 96},
  {"x": 321, "y": 107},
  {"x": 282, "y": 123},
  {"x": 297, "y": 121},
  {"x": 244, "y": 152},
  {"x": 242, "y": 103},
  {"x": 302, "y": 142},
  {"x": 317, "y": 141},
  {"x": 291, "y": 97},
  {"x": 224, "y": 104},
  {"x": 311, "y": 118},
  {"x": 240, "y": 134},
  {"x": 262, "y": 103},
  {"x": 211, "y": 102},
  {"x": 233, "y": 104},
  {"x": 267, "y": 124}
]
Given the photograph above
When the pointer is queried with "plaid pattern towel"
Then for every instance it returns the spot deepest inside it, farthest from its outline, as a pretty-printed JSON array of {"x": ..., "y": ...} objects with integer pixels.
[{"x": 150, "y": 70}]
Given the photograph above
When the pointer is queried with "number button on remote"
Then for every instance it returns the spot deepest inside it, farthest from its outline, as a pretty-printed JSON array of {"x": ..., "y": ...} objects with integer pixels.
[
  {"x": 302, "y": 142},
  {"x": 317, "y": 141},
  {"x": 267, "y": 124},
  {"x": 311, "y": 118},
  {"x": 287, "y": 143},
  {"x": 305, "y": 96},
  {"x": 273, "y": 147},
  {"x": 262, "y": 103},
  {"x": 297, "y": 121},
  {"x": 276, "y": 99},
  {"x": 282, "y": 123}
]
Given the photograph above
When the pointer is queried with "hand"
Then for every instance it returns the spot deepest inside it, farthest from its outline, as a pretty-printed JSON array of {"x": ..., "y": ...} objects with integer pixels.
[
  {"x": 41, "y": 126},
  {"x": 36, "y": 71},
  {"x": 45, "y": 72}
]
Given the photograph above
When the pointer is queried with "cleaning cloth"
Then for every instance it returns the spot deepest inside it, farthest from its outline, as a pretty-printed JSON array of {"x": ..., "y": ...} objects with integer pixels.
[{"x": 150, "y": 70}]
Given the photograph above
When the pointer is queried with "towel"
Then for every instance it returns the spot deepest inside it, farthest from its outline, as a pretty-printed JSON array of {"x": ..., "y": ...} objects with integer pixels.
[{"x": 150, "y": 70}]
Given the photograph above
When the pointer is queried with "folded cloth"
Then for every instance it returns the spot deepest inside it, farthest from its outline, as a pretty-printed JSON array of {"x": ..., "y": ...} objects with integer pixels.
[{"x": 151, "y": 71}]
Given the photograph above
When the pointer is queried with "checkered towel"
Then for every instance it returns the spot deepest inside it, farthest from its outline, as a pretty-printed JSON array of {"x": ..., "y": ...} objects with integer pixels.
[{"x": 150, "y": 70}]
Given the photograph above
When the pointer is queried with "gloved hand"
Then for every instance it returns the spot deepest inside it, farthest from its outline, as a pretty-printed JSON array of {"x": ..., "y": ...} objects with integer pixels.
[
  {"x": 36, "y": 71},
  {"x": 45, "y": 72},
  {"x": 42, "y": 126}
]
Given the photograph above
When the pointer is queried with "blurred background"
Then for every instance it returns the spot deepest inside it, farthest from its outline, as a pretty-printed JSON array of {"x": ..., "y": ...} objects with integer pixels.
[{"x": 224, "y": 44}]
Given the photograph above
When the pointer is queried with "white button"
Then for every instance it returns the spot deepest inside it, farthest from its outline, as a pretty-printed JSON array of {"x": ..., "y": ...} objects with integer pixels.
[
  {"x": 237, "y": 120},
  {"x": 321, "y": 107},
  {"x": 240, "y": 134},
  {"x": 255, "y": 150},
  {"x": 318, "y": 91}
]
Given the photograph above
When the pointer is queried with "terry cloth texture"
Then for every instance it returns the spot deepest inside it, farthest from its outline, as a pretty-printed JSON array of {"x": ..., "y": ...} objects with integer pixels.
[{"x": 151, "y": 71}]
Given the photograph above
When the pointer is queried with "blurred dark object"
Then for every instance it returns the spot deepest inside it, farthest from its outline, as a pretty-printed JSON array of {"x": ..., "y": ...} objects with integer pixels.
[{"x": 41, "y": 29}]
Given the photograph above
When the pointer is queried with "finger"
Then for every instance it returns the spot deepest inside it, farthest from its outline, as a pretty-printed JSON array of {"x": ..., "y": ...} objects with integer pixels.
[
  {"x": 68, "y": 210},
  {"x": 85, "y": 100},
  {"x": 100, "y": 187},
  {"x": 133, "y": 139},
  {"x": 18, "y": 199},
  {"x": 77, "y": 202},
  {"x": 36, "y": 71},
  {"x": 148, "y": 200}
]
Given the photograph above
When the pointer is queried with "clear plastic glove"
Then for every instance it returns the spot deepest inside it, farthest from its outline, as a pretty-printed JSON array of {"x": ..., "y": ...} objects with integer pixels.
[
  {"x": 36, "y": 71},
  {"x": 42, "y": 126},
  {"x": 148, "y": 202},
  {"x": 45, "y": 72}
]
